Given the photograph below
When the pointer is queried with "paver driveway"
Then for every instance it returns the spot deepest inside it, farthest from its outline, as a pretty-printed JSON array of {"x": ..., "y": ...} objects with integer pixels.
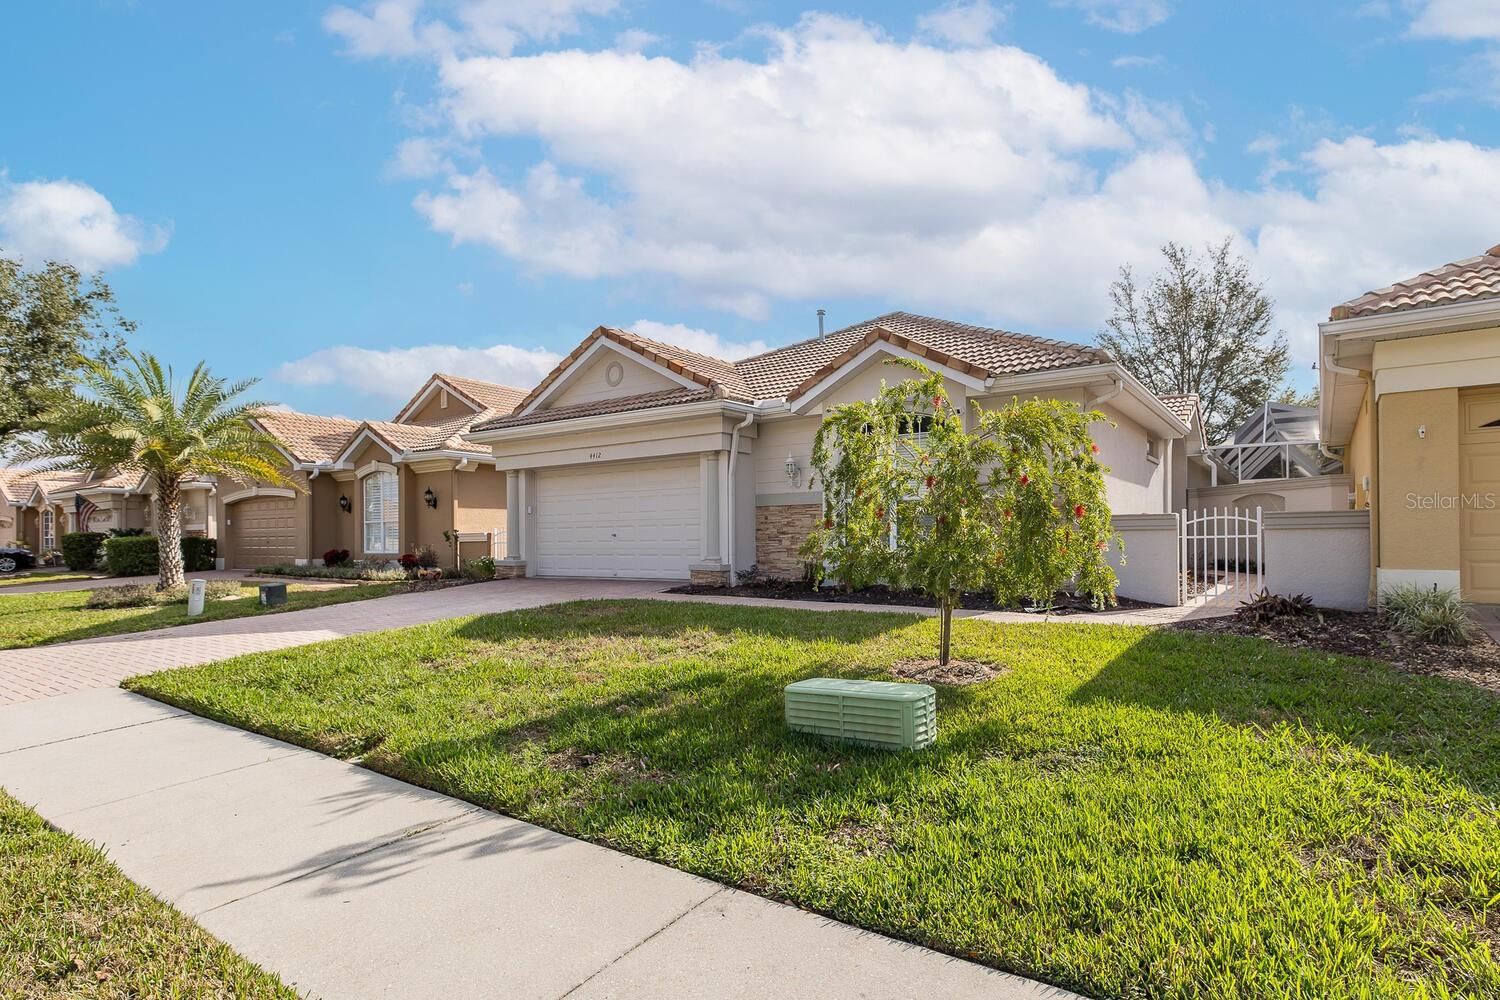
[{"x": 47, "y": 671}]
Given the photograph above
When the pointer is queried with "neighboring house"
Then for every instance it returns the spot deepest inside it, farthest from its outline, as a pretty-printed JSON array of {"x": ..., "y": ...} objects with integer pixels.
[
  {"x": 635, "y": 458},
  {"x": 41, "y": 507},
  {"x": 1410, "y": 384},
  {"x": 1193, "y": 464},
  {"x": 375, "y": 488}
]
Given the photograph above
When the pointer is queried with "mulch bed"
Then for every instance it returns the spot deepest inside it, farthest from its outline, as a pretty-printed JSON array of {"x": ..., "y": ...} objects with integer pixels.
[
  {"x": 957, "y": 672},
  {"x": 1355, "y": 633},
  {"x": 1063, "y": 604}
]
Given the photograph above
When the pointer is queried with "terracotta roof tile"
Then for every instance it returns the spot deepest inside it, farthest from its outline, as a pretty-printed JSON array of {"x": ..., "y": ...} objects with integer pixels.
[
  {"x": 1184, "y": 405},
  {"x": 600, "y": 407},
  {"x": 307, "y": 436},
  {"x": 1462, "y": 281},
  {"x": 489, "y": 395},
  {"x": 429, "y": 437}
]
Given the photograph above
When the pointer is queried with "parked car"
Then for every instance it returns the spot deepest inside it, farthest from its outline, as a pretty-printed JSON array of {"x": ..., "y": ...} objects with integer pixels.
[{"x": 12, "y": 559}]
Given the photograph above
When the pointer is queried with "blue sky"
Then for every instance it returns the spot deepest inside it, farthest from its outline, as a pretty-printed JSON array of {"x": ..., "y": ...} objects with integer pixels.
[{"x": 338, "y": 198}]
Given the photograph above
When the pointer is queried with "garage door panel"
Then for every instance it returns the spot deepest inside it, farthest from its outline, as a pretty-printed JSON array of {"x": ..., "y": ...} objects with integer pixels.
[
  {"x": 636, "y": 520},
  {"x": 264, "y": 531}
]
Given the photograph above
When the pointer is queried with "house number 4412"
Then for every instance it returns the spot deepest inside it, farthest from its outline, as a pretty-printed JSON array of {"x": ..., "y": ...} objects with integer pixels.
[{"x": 596, "y": 454}]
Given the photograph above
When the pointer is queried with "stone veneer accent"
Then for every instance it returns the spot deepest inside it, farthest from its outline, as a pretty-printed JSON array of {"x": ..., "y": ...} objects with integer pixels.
[
  {"x": 709, "y": 577},
  {"x": 507, "y": 570},
  {"x": 780, "y": 531}
]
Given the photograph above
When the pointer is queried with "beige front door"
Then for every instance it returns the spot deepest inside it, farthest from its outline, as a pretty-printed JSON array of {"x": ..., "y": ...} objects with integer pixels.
[
  {"x": 1479, "y": 484},
  {"x": 263, "y": 531}
]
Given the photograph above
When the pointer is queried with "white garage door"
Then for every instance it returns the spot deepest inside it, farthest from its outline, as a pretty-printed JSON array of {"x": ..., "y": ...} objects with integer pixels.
[{"x": 637, "y": 520}]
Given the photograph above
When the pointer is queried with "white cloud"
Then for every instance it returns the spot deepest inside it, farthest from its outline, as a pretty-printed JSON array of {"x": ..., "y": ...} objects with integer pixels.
[
  {"x": 1460, "y": 20},
  {"x": 844, "y": 163},
  {"x": 1137, "y": 62},
  {"x": 402, "y": 28},
  {"x": 1126, "y": 16},
  {"x": 70, "y": 221},
  {"x": 636, "y": 40},
  {"x": 426, "y": 156},
  {"x": 696, "y": 339},
  {"x": 960, "y": 23},
  {"x": 393, "y": 375}
]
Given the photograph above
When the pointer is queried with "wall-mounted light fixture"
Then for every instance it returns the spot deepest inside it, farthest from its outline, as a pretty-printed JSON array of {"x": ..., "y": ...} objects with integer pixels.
[
  {"x": 430, "y": 498},
  {"x": 793, "y": 470},
  {"x": 344, "y": 504}
]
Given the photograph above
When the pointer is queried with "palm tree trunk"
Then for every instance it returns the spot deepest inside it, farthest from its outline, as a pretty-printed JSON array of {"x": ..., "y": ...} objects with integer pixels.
[{"x": 169, "y": 536}]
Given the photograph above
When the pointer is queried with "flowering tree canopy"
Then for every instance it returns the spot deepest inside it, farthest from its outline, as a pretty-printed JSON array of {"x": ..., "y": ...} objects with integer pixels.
[{"x": 1010, "y": 500}]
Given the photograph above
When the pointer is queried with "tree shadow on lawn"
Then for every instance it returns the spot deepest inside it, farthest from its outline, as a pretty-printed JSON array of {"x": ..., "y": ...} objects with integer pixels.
[{"x": 1437, "y": 724}]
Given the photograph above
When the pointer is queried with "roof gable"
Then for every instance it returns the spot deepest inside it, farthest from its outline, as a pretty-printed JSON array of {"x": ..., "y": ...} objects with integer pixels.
[
  {"x": 474, "y": 394},
  {"x": 307, "y": 437},
  {"x": 688, "y": 368}
]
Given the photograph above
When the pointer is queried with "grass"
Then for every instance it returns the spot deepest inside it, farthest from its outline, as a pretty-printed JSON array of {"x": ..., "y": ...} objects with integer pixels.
[
  {"x": 44, "y": 576},
  {"x": 71, "y": 925},
  {"x": 60, "y": 616},
  {"x": 1124, "y": 811}
]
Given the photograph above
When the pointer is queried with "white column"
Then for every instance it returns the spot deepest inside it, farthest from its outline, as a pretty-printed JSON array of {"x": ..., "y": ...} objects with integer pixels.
[
  {"x": 513, "y": 501},
  {"x": 709, "y": 479}
]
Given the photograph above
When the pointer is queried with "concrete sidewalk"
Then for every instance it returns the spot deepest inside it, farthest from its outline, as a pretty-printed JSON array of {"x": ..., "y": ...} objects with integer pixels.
[
  {"x": 95, "y": 582},
  {"x": 351, "y": 884}
]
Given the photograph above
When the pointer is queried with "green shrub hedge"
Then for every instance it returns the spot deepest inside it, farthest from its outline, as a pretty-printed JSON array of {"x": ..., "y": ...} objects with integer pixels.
[
  {"x": 136, "y": 555},
  {"x": 81, "y": 549}
]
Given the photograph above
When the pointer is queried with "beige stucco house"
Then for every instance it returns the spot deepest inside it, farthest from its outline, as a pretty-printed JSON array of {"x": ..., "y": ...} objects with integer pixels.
[
  {"x": 376, "y": 488},
  {"x": 1410, "y": 383},
  {"x": 636, "y": 458},
  {"x": 40, "y": 507}
]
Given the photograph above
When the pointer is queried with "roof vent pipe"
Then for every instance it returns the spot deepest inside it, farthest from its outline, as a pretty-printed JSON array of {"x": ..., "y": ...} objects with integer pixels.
[{"x": 821, "y": 314}]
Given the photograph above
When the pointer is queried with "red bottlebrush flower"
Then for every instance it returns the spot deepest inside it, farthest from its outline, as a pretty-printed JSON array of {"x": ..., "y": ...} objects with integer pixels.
[
  {"x": 942, "y": 519},
  {"x": 1100, "y": 546},
  {"x": 930, "y": 481},
  {"x": 828, "y": 524},
  {"x": 880, "y": 513},
  {"x": 1025, "y": 479},
  {"x": 1064, "y": 550},
  {"x": 1079, "y": 511},
  {"x": 937, "y": 402},
  {"x": 1009, "y": 514},
  {"x": 1094, "y": 448}
]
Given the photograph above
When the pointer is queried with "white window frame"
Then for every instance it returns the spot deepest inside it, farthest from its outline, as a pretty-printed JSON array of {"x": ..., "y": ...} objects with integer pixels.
[
  {"x": 49, "y": 529},
  {"x": 386, "y": 510}
]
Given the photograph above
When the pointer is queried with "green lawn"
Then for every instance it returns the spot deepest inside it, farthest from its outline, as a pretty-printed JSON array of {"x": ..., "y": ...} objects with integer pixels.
[
  {"x": 44, "y": 576},
  {"x": 1124, "y": 811},
  {"x": 60, "y": 616},
  {"x": 72, "y": 926}
]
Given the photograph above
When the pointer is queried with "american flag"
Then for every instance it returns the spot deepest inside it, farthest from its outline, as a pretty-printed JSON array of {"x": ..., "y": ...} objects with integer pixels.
[{"x": 85, "y": 510}]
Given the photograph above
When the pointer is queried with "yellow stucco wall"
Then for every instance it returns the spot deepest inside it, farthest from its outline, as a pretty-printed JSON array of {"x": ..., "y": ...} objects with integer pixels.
[{"x": 1416, "y": 532}]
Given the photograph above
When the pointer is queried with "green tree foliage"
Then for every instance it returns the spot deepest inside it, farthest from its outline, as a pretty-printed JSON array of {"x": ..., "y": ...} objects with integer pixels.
[
  {"x": 50, "y": 320},
  {"x": 916, "y": 495},
  {"x": 1202, "y": 325},
  {"x": 137, "y": 419}
]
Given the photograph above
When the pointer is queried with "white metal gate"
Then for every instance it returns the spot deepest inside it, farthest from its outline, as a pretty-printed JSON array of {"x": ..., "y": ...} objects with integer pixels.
[{"x": 1220, "y": 555}]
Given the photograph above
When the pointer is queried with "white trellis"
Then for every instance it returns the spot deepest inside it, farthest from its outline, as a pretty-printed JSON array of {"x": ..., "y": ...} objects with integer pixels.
[{"x": 1221, "y": 555}]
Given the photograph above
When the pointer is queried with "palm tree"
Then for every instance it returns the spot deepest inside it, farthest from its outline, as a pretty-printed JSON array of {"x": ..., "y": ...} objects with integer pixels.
[{"x": 134, "y": 419}]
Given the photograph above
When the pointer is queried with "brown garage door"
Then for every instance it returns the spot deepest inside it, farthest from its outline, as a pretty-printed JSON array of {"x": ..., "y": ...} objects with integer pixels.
[{"x": 263, "y": 531}]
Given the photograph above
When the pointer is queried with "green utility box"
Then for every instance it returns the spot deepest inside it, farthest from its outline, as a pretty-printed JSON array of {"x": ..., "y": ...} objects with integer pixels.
[
  {"x": 272, "y": 594},
  {"x": 871, "y": 713}
]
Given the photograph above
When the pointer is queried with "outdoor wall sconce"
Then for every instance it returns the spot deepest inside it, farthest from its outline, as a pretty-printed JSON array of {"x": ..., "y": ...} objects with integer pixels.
[
  {"x": 344, "y": 504},
  {"x": 793, "y": 470},
  {"x": 430, "y": 498}
]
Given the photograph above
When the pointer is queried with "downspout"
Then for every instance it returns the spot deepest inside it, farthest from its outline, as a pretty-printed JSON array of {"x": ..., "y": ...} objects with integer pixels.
[
  {"x": 1373, "y": 586},
  {"x": 734, "y": 454}
]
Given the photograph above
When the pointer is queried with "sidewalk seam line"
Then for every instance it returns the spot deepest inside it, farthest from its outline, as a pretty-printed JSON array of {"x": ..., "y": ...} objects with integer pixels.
[
  {"x": 98, "y": 732},
  {"x": 640, "y": 944}
]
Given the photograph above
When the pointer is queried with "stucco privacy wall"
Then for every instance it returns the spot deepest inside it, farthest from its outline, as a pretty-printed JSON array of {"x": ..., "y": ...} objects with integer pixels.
[
  {"x": 1149, "y": 568},
  {"x": 1359, "y": 456},
  {"x": 1314, "y": 493},
  {"x": 1419, "y": 459},
  {"x": 1323, "y": 554}
]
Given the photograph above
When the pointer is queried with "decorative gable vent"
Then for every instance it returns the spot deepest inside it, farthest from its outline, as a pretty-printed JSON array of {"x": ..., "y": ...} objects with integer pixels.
[{"x": 871, "y": 713}]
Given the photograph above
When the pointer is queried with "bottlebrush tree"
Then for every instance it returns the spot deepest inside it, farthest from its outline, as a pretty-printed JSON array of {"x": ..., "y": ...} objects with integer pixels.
[{"x": 1011, "y": 501}]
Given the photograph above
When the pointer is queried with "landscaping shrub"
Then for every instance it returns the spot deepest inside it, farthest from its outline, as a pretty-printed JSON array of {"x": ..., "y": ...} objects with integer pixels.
[
  {"x": 131, "y": 555},
  {"x": 136, "y": 555},
  {"x": 81, "y": 549},
  {"x": 408, "y": 561},
  {"x": 335, "y": 557},
  {"x": 351, "y": 571},
  {"x": 218, "y": 590},
  {"x": 1268, "y": 607},
  {"x": 427, "y": 557},
  {"x": 126, "y": 532},
  {"x": 198, "y": 553},
  {"x": 132, "y": 595},
  {"x": 482, "y": 568},
  {"x": 1435, "y": 616}
]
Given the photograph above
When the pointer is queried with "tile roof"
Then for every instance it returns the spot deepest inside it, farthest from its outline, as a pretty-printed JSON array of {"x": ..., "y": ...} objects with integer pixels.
[
  {"x": 17, "y": 485},
  {"x": 479, "y": 394},
  {"x": 307, "y": 436},
  {"x": 1184, "y": 405},
  {"x": 600, "y": 407},
  {"x": 427, "y": 437},
  {"x": 1462, "y": 281},
  {"x": 787, "y": 372}
]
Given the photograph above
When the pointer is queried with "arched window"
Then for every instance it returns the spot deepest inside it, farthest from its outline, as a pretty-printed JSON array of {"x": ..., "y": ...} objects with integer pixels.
[
  {"x": 49, "y": 530},
  {"x": 382, "y": 513}
]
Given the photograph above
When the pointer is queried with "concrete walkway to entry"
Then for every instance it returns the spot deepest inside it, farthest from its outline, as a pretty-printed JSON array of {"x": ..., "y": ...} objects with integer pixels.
[{"x": 351, "y": 884}]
